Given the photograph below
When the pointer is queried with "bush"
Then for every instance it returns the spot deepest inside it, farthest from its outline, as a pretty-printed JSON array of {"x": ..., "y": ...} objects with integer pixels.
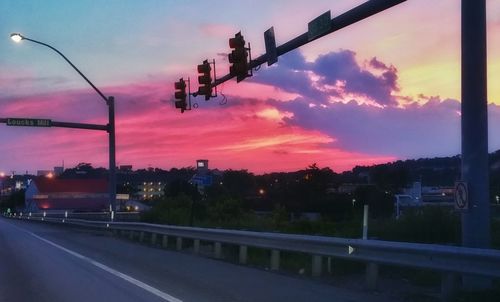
[
  {"x": 227, "y": 211},
  {"x": 171, "y": 210},
  {"x": 423, "y": 225}
]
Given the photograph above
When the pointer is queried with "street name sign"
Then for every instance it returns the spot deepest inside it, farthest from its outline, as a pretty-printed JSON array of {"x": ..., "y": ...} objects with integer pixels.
[
  {"x": 319, "y": 26},
  {"x": 29, "y": 122},
  {"x": 271, "y": 51}
]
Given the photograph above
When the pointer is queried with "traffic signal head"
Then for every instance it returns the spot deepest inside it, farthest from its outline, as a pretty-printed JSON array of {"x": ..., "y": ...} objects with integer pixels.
[
  {"x": 238, "y": 57},
  {"x": 205, "y": 80},
  {"x": 237, "y": 42},
  {"x": 180, "y": 95}
]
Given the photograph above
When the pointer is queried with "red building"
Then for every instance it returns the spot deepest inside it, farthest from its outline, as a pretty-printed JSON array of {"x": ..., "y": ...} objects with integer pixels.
[{"x": 45, "y": 194}]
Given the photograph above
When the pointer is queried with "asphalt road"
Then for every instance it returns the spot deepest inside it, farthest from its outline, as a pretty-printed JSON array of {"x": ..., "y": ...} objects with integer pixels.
[{"x": 42, "y": 262}]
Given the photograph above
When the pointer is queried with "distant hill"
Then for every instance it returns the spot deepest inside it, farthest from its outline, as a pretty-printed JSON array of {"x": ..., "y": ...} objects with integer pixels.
[{"x": 438, "y": 171}]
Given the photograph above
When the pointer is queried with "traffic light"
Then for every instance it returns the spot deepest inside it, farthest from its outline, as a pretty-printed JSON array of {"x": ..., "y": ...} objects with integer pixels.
[
  {"x": 205, "y": 80},
  {"x": 238, "y": 57},
  {"x": 180, "y": 95}
]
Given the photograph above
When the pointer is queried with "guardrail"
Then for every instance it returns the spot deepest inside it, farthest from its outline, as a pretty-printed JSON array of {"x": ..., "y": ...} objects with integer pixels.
[
  {"x": 95, "y": 216},
  {"x": 451, "y": 261}
]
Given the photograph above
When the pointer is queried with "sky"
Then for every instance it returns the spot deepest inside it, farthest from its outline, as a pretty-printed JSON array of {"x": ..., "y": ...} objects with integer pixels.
[{"x": 383, "y": 89}]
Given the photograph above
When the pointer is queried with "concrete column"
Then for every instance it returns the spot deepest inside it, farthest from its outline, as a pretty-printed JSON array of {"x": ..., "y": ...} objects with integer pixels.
[
  {"x": 275, "y": 260},
  {"x": 329, "y": 265},
  {"x": 164, "y": 242},
  {"x": 365, "y": 222},
  {"x": 141, "y": 236},
  {"x": 448, "y": 286},
  {"x": 178, "y": 244},
  {"x": 476, "y": 221},
  {"x": 371, "y": 275},
  {"x": 218, "y": 250},
  {"x": 317, "y": 265},
  {"x": 196, "y": 246},
  {"x": 153, "y": 238},
  {"x": 243, "y": 254}
]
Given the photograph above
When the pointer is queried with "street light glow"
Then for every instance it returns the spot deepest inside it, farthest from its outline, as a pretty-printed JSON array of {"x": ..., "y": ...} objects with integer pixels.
[{"x": 16, "y": 37}]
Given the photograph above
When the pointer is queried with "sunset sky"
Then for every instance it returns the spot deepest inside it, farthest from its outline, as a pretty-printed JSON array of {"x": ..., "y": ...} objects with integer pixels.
[{"x": 386, "y": 88}]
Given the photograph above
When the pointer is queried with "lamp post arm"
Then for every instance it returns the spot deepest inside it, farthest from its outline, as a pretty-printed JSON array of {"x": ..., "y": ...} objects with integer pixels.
[{"x": 72, "y": 65}]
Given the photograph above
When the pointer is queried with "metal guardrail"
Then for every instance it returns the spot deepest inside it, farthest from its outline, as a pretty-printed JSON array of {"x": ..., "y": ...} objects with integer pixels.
[
  {"x": 95, "y": 216},
  {"x": 446, "y": 259},
  {"x": 484, "y": 262}
]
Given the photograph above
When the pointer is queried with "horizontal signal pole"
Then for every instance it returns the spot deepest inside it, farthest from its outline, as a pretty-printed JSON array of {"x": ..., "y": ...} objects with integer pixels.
[
  {"x": 350, "y": 17},
  {"x": 80, "y": 126}
]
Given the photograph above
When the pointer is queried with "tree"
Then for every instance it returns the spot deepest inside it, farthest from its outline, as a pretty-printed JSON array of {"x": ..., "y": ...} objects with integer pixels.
[{"x": 14, "y": 201}]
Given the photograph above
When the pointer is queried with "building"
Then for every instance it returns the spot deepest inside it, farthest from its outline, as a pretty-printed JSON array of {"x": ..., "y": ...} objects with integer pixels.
[
  {"x": 44, "y": 173},
  {"x": 203, "y": 177},
  {"x": 150, "y": 190},
  {"x": 427, "y": 194},
  {"x": 46, "y": 194},
  {"x": 58, "y": 171}
]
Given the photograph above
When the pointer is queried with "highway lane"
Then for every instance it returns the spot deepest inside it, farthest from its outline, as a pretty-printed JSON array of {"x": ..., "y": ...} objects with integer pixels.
[{"x": 42, "y": 262}]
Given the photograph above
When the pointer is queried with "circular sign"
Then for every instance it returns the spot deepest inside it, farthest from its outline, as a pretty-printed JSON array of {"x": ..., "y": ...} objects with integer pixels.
[{"x": 461, "y": 196}]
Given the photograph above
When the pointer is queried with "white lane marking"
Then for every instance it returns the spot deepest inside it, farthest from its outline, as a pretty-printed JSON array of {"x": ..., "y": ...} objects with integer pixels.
[{"x": 108, "y": 269}]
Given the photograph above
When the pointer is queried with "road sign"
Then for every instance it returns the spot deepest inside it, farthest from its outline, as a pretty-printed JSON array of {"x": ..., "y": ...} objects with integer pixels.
[
  {"x": 205, "y": 180},
  {"x": 319, "y": 26},
  {"x": 461, "y": 196},
  {"x": 29, "y": 122},
  {"x": 271, "y": 52}
]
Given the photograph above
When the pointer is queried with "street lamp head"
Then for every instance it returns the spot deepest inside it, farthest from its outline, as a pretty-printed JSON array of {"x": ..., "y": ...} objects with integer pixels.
[{"x": 16, "y": 37}]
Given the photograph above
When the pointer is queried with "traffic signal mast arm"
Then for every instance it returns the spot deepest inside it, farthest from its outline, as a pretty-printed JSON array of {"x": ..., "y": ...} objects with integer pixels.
[{"x": 350, "y": 17}]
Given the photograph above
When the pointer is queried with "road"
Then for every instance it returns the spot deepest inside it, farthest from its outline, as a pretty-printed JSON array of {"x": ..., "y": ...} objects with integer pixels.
[{"x": 42, "y": 262}]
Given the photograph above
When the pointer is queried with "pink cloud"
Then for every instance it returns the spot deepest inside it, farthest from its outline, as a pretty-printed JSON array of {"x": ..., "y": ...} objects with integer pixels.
[{"x": 246, "y": 134}]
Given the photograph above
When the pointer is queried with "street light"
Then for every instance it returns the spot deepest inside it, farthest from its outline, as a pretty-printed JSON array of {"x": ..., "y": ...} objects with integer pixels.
[
  {"x": 110, "y": 102},
  {"x": 16, "y": 37}
]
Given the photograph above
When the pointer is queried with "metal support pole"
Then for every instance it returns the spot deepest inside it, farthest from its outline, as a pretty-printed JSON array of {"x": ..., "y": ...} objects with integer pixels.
[
  {"x": 476, "y": 220},
  {"x": 112, "y": 153},
  {"x": 365, "y": 222},
  {"x": 110, "y": 101}
]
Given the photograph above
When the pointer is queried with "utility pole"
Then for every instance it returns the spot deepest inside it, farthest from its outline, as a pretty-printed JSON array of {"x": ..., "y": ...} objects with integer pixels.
[{"x": 475, "y": 169}]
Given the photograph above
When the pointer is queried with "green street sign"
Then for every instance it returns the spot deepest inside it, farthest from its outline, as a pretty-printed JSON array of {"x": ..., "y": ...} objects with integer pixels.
[
  {"x": 29, "y": 122},
  {"x": 319, "y": 26}
]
